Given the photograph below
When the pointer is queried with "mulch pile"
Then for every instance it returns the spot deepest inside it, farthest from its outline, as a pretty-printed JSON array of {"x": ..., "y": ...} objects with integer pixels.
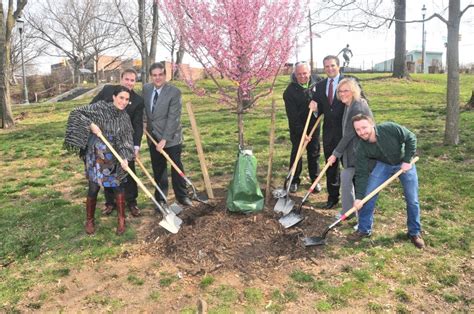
[{"x": 212, "y": 239}]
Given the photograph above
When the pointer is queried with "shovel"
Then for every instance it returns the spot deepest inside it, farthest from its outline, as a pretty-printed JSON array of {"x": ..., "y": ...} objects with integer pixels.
[
  {"x": 174, "y": 207},
  {"x": 170, "y": 221},
  {"x": 194, "y": 195},
  {"x": 282, "y": 192},
  {"x": 285, "y": 204},
  {"x": 311, "y": 241},
  {"x": 295, "y": 216}
]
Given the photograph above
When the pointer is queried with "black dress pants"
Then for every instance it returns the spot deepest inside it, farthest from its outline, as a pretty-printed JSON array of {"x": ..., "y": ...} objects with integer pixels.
[
  {"x": 312, "y": 154},
  {"x": 160, "y": 171}
]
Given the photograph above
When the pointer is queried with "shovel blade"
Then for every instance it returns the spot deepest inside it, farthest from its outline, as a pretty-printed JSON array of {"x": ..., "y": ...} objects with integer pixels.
[
  {"x": 290, "y": 220},
  {"x": 284, "y": 205},
  {"x": 171, "y": 222},
  {"x": 279, "y": 193},
  {"x": 313, "y": 241},
  {"x": 175, "y": 208}
]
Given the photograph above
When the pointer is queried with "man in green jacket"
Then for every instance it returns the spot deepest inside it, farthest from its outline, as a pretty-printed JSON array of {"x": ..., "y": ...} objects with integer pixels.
[{"x": 392, "y": 146}]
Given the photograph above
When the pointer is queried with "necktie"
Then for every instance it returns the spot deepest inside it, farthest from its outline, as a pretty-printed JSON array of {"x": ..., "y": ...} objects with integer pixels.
[
  {"x": 330, "y": 92},
  {"x": 155, "y": 98}
]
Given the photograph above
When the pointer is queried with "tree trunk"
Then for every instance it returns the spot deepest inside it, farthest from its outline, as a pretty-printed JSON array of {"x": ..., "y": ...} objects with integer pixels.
[
  {"x": 451, "y": 132},
  {"x": 96, "y": 61},
  {"x": 6, "y": 111},
  {"x": 179, "y": 59},
  {"x": 143, "y": 43},
  {"x": 240, "y": 125},
  {"x": 154, "y": 34},
  {"x": 399, "y": 62}
]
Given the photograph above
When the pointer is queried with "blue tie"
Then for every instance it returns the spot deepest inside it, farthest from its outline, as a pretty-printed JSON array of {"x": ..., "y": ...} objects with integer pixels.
[{"x": 155, "y": 98}]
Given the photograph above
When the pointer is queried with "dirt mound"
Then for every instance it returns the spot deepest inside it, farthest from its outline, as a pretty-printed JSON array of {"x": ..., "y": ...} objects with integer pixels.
[{"x": 213, "y": 239}]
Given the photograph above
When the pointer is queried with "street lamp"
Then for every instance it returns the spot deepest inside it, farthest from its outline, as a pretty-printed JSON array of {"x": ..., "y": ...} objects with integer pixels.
[
  {"x": 423, "y": 41},
  {"x": 21, "y": 24}
]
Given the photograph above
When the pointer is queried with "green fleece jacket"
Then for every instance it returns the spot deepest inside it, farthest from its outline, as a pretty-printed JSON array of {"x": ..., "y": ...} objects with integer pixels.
[{"x": 395, "y": 144}]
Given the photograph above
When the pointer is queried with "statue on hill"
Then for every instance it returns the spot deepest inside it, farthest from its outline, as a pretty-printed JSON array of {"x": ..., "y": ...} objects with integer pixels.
[{"x": 345, "y": 54}]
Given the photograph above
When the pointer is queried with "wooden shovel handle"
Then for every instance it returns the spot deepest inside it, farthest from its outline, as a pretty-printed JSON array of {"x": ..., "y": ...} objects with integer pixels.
[
  {"x": 146, "y": 172},
  {"x": 165, "y": 154},
  {"x": 377, "y": 190},
  {"x": 321, "y": 174},
  {"x": 300, "y": 147},
  {"x": 130, "y": 172}
]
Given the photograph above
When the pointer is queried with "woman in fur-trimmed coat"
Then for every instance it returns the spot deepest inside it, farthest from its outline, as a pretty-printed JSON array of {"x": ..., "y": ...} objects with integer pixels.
[{"x": 101, "y": 167}]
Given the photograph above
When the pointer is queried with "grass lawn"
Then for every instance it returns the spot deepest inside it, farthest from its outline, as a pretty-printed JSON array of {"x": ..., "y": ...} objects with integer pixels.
[{"x": 42, "y": 194}]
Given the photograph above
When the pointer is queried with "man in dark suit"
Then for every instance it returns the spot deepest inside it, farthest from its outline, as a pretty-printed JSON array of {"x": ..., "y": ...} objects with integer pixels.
[
  {"x": 297, "y": 96},
  {"x": 163, "y": 110},
  {"x": 134, "y": 109},
  {"x": 325, "y": 102}
]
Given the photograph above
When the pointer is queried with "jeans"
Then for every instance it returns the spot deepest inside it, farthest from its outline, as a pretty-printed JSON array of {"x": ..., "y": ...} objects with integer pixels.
[{"x": 409, "y": 180}]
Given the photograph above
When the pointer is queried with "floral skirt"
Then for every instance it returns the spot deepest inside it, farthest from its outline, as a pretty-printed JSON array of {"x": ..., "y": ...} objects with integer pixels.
[{"x": 101, "y": 165}]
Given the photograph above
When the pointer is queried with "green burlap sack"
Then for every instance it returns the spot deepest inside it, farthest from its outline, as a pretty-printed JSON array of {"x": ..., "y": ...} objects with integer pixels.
[{"x": 244, "y": 194}]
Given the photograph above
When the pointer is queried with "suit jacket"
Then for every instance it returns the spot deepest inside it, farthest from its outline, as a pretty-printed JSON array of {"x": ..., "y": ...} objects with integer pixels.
[
  {"x": 296, "y": 99},
  {"x": 332, "y": 127},
  {"x": 165, "y": 120},
  {"x": 134, "y": 110}
]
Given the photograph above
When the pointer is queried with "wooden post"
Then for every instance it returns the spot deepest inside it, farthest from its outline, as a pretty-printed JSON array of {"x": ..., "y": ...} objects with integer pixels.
[
  {"x": 197, "y": 139},
  {"x": 270, "y": 154}
]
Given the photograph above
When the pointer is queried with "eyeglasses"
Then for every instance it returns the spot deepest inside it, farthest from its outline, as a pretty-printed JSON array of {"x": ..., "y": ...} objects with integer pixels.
[{"x": 343, "y": 91}]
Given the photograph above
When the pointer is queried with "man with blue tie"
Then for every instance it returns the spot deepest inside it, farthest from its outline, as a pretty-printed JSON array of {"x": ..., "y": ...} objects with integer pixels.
[
  {"x": 163, "y": 110},
  {"x": 325, "y": 102}
]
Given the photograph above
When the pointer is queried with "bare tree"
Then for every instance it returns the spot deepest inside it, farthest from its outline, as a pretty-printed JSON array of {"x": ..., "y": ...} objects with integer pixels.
[
  {"x": 172, "y": 41},
  {"x": 451, "y": 132},
  {"x": 7, "y": 23},
  {"x": 399, "y": 61},
  {"x": 78, "y": 30},
  {"x": 142, "y": 28}
]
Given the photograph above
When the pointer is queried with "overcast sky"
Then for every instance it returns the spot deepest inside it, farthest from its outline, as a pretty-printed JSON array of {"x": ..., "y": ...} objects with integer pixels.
[{"x": 372, "y": 46}]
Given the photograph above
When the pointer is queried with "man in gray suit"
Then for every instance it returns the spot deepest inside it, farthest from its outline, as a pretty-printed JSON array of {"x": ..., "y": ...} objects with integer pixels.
[{"x": 163, "y": 110}]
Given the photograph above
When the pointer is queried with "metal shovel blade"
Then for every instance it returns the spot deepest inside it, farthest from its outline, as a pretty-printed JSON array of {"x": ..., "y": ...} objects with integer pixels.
[
  {"x": 171, "y": 222},
  {"x": 175, "y": 208},
  {"x": 290, "y": 220},
  {"x": 313, "y": 241},
  {"x": 284, "y": 205},
  {"x": 278, "y": 193}
]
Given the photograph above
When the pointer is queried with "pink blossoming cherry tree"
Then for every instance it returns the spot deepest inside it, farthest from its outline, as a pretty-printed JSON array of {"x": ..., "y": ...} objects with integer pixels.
[{"x": 244, "y": 41}]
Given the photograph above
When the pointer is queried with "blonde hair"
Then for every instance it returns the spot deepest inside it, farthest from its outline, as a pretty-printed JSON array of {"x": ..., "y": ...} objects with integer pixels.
[{"x": 353, "y": 86}]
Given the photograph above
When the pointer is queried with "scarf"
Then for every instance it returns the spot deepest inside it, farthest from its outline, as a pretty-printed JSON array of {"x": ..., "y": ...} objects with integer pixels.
[{"x": 109, "y": 119}]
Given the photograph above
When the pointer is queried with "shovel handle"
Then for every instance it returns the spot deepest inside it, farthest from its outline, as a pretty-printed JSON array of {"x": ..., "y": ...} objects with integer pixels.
[
  {"x": 300, "y": 147},
  {"x": 377, "y": 190},
  {"x": 311, "y": 188},
  {"x": 146, "y": 172},
  {"x": 168, "y": 158},
  {"x": 130, "y": 172}
]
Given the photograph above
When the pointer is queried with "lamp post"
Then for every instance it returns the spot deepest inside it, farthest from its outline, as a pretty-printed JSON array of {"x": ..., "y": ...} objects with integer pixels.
[
  {"x": 21, "y": 24},
  {"x": 423, "y": 40}
]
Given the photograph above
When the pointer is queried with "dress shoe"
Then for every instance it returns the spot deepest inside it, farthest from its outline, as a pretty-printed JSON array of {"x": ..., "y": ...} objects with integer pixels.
[
  {"x": 186, "y": 201},
  {"x": 317, "y": 188},
  {"x": 330, "y": 204},
  {"x": 108, "y": 209},
  {"x": 417, "y": 241},
  {"x": 357, "y": 236},
  {"x": 134, "y": 210},
  {"x": 293, "y": 187}
]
